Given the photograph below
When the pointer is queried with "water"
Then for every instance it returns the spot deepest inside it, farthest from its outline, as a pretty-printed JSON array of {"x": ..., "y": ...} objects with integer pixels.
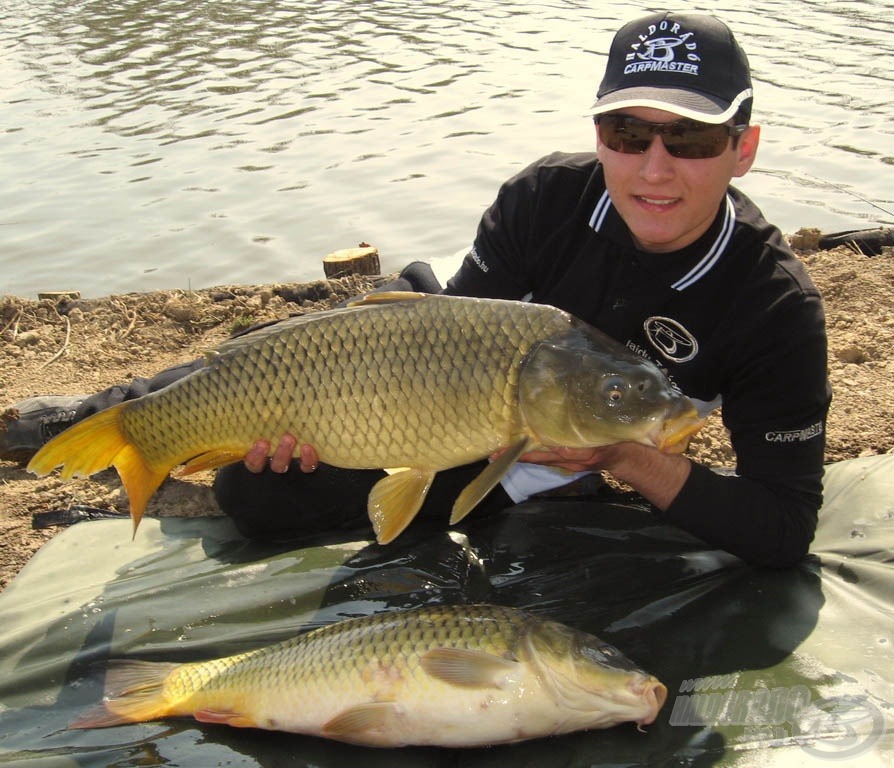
[{"x": 152, "y": 144}]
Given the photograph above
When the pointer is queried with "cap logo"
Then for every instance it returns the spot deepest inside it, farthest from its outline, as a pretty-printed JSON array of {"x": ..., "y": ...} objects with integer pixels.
[{"x": 663, "y": 49}]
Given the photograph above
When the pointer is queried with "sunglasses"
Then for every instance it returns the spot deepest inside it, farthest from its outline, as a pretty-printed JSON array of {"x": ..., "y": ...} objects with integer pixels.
[{"x": 686, "y": 139}]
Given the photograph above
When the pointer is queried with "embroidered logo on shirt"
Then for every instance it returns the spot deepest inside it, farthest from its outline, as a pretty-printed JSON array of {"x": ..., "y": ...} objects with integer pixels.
[
  {"x": 671, "y": 339},
  {"x": 473, "y": 254},
  {"x": 795, "y": 435},
  {"x": 664, "y": 49}
]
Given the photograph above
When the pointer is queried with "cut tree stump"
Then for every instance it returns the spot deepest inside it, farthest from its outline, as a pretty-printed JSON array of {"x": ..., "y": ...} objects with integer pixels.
[
  {"x": 58, "y": 295},
  {"x": 363, "y": 260}
]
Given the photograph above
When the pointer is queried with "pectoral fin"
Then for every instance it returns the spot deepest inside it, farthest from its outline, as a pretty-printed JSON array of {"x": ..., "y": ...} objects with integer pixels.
[
  {"x": 225, "y": 717},
  {"x": 353, "y": 723},
  {"x": 211, "y": 460},
  {"x": 466, "y": 668},
  {"x": 475, "y": 491},
  {"x": 395, "y": 500}
]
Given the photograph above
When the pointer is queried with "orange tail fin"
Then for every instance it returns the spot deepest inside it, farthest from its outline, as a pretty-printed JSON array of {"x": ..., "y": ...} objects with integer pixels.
[
  {"x": 96, "y": 443},
  {"x": 134, "y": 694}
]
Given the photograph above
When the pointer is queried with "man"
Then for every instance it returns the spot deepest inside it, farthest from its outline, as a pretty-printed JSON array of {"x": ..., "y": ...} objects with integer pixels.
[{"x": 646, "y": 240}]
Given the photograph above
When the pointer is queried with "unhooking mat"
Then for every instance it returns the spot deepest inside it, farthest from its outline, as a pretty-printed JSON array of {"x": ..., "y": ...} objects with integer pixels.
[{"x": 763, "y": 667}]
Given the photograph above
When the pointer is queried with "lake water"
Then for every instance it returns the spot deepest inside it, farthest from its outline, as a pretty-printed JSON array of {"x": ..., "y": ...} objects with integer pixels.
[{"x": 154, "y": 144}]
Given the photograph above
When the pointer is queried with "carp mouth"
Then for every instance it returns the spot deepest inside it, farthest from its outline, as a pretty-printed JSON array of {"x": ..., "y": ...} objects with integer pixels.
[
  {"x": 653, "y": 694},
  {"x": 676, "y": 431}
]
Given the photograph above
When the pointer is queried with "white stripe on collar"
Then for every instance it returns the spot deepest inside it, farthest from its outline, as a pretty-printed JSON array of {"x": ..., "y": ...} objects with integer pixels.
[
  {"x": 714, "y": 252},
  {"x": 710, "y": 258},
  {"x": 599, "y": 213}
]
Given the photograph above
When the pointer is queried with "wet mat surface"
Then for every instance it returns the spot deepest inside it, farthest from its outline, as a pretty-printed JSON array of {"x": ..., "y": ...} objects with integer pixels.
[{"x": 785, "y": 668}]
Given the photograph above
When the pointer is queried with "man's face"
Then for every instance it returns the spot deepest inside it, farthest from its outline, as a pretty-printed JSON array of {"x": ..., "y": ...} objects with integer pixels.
[{"x": 668, "y": 202}]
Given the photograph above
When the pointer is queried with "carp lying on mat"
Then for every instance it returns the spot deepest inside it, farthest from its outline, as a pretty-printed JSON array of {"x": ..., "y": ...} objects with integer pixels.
[
  {"x": 420, "y": 382},
  {"x": 456, "y": 676}
]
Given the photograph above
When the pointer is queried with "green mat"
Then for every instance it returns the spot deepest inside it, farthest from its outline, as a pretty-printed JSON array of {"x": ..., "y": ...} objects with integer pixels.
[{"x": 763, "y": 667}]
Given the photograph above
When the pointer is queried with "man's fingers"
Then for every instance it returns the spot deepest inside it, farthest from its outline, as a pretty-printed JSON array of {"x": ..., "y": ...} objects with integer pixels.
[
  {"x": 282, "y": 456},
  {"x": 256, "y": 459},
  {"x": 309, "y": 459}
]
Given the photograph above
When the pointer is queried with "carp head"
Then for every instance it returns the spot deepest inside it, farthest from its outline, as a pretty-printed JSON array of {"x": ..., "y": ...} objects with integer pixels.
[
  {"x": 583, "y": 389},
  {"x": 595, "y": 684}
]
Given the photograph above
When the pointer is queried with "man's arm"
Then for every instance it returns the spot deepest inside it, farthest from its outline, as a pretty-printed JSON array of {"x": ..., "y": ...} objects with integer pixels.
[{"x": 761, "y": 522}]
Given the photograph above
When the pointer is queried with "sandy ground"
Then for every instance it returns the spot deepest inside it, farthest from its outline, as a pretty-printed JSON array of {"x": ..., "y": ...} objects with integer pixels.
[{"x": 71, "y": 347}]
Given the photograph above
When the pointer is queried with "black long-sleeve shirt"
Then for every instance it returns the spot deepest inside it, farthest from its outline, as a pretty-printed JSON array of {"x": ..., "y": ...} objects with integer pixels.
[{"x": 733, "y": 315}]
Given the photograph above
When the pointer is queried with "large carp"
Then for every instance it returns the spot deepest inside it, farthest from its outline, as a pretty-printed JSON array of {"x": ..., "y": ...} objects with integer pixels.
[
  {"x": 456, "y": 676},
  {"x": 397, "y": 380}
]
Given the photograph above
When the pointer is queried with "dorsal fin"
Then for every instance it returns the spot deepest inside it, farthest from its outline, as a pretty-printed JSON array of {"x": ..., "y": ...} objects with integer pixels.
[
  {"x": 247, "y": 339},
  {"x": 386, "y": 297}
]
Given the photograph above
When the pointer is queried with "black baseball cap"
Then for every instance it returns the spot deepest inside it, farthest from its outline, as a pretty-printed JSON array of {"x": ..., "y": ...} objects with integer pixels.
[{"x": 686, "y": 63}]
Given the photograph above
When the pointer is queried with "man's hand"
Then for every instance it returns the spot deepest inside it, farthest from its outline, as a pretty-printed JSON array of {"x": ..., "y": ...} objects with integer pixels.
[
  {"x": 656, "y": 476},
  {"x": 256, "y": 459},
  {"x": 572, "y": 459}
]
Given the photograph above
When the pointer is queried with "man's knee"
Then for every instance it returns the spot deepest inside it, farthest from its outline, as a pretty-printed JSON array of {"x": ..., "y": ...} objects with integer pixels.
[{"x": 273, "y": 506}]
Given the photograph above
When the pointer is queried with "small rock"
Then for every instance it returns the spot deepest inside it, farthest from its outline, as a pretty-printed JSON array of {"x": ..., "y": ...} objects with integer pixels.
[
  {"x": 805, "y": 239},
  {"x": 28, "y": 338},
  {"x": 179, "y": 310},
  {"x": 852, "y": 354}
]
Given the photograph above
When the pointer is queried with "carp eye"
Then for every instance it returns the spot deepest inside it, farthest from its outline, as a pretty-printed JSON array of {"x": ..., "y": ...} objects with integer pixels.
[
  {"x": 613, "y": 389},
  {"x": 607, "y": 655}
]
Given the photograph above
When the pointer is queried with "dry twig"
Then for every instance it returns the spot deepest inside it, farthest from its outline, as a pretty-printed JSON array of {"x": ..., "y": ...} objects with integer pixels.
[
  {"x": 130, "y": 314},
  {"x": 15, "y": 320},
  {"x": 64, "y": 343}
]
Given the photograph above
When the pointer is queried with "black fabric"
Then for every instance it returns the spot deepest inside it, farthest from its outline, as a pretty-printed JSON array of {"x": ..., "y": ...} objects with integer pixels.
[
  {"x": 869, "y": 242},
  {"x": 420, "y": 277},
  {"x": 283, "y": 507}
]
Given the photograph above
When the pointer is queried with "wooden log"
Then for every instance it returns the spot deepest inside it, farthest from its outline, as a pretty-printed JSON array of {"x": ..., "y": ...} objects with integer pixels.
[
  {"x": 363, "y": 260},
  {"x": 58, "y": 295}
]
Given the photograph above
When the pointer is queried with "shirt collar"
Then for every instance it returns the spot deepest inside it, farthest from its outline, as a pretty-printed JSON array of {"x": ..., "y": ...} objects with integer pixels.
[{"x": 698, "y": 259}]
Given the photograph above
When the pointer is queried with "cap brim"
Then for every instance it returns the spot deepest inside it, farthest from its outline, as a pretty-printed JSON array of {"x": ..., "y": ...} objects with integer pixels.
[{"x": 691, "y": 104}]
